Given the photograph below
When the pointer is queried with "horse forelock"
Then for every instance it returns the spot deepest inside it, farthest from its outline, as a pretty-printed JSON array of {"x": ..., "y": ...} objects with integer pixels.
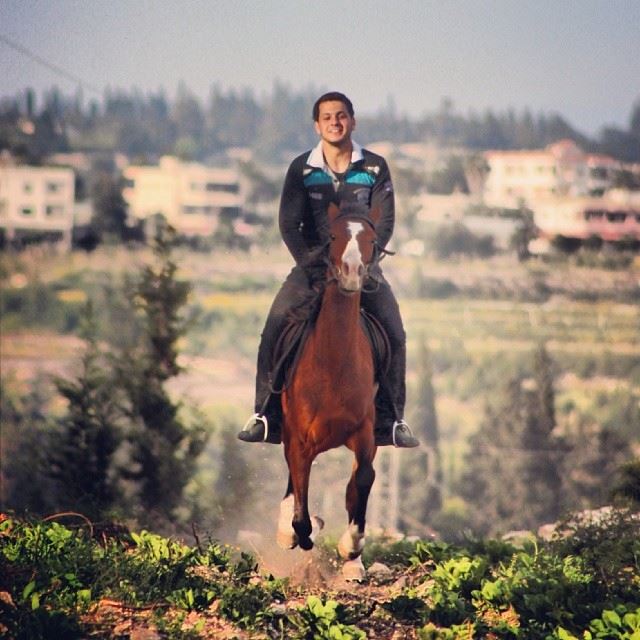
[{"x": 350, "y": 216}]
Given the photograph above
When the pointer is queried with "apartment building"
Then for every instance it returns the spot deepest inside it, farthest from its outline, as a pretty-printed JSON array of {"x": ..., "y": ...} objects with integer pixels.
[
  {"x": 525, "y": 177},
  {"x": 191, "y": 196},
  {"x": 606, "y": 218},
  {"x": 36, "y": 202}
]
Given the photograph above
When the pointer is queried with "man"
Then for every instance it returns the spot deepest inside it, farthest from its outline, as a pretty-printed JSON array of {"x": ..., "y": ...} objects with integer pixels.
[{"x": 341, "y": 171}]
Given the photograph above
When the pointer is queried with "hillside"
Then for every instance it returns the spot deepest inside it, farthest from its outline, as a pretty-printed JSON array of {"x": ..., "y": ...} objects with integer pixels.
[{"x": 480, "y": 319}]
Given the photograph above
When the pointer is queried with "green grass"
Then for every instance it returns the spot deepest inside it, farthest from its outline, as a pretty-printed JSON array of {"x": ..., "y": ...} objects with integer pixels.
[{"x": 58, "y": 582}]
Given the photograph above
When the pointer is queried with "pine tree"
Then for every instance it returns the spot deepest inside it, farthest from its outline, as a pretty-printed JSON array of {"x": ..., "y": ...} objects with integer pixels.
[
  {"x": 542, "y": 461},
  {"x": 591, "y": 464},
  {"x": 84, "y": 442},
  {"x": 162, "y": 450},
  {"x": 24, "y": 485},
  {"x": 423, "y": 473},
  {"x": 513, "y": 467},
  {"x": 627, "y": 487},
  {"x": 492, "y": 467},
  {"x": 110, "y": 209}
]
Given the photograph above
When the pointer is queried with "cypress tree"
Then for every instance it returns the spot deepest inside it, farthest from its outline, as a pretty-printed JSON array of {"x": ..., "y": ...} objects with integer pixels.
[
  {"x": 162, "y": 450},
  {"x": 84, "y": 441},
  {"x": 513, "y": 465}
]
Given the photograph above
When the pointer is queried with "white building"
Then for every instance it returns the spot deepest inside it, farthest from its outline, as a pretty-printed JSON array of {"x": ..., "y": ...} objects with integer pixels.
[
  {"x": 524, "y": 177},
  {"x": 190, "y": 196},
  {"x": 36, "y": 201},
  {"x": 607, "y": 218}
]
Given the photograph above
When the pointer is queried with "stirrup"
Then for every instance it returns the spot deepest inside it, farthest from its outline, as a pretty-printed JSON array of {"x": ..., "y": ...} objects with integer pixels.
[
  {"x": 402, "y": 423},
  {"x": 256, "y": 417}
]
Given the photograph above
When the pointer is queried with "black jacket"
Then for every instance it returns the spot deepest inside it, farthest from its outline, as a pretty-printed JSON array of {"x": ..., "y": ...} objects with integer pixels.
[{"x": 309, "y": 188}]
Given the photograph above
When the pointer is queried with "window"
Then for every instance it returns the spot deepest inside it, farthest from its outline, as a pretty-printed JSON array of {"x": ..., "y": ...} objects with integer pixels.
[
  {"x": 26, "y": 211},
  {"x": 54, "y": 210},
  {"x": 27, "y": 187},
  {"x": 192, "y": 209},
  {"x": 129, "y": 183},
  {"x": 599, "y": 172},
  {"x": 616, "y": 216},
  {"x": 224, "y": 187},
  {"x": 54, "y": 187}
]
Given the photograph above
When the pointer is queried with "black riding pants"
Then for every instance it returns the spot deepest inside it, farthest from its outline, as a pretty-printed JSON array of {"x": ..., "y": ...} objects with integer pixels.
[{"x": 380, "y": 303}]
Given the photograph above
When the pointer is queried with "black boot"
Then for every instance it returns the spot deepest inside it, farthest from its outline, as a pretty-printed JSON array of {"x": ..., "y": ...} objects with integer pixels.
[
  {"x": 402, "y": 436},
  {"x": 259, "y": 429},
  {"x": 390, "y": 429},
  {"x": 395, "y": 432}
]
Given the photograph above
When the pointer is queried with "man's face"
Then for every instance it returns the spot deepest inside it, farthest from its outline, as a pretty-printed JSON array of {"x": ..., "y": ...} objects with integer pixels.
[{"x": 334, "y": 124}]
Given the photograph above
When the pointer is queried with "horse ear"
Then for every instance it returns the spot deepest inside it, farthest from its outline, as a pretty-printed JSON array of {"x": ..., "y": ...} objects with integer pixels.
[
  {"x": 374, "y": 214},
  {"x": 333, "y": 211}
]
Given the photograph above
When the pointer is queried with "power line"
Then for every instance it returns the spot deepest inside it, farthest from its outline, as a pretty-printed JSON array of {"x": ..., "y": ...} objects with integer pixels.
[{"x": 52, "y": 67}]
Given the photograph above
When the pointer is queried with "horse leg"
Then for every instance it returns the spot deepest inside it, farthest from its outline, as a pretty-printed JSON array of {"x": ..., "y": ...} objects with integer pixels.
[
  {"x": 286, "y": 537},
  {"x": 299, "y": 472},
  {"x": 351, "y": 543}
]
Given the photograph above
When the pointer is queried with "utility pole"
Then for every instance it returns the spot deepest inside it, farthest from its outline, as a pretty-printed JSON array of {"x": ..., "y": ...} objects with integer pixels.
[{"x": 384, "y": 503}]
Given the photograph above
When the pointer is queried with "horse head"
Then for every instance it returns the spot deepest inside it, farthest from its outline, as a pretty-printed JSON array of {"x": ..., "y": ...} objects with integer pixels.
[{"x": 352, "y": 244}]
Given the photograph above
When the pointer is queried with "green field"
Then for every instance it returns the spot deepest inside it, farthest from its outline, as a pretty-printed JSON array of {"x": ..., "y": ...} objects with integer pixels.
[{"x": 477, "y": 343}]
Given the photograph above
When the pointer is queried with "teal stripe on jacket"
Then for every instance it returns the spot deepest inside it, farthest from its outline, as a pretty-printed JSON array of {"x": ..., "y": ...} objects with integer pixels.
[
  {"x": 360, "y": 177},
  {"x": 317, "y": 177}
]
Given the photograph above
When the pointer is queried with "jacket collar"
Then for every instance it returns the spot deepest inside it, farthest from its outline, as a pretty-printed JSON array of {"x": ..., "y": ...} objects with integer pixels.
[{"x": 316, "y": 157}]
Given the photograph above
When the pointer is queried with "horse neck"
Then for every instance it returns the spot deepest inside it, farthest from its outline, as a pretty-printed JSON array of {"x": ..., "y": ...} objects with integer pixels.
[{"x": 338, "y": 322}]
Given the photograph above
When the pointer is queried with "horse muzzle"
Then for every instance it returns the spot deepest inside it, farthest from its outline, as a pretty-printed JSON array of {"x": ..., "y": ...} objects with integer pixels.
[{"x": 351, "y": 276}]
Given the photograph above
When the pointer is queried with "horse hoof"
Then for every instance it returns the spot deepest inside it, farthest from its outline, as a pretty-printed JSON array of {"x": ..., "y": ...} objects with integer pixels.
[
  {"x": 351, "y": 543},
  {"x": 287, "y": 540},
  {"x": 353, "y": 570},
  {"x": 306, "y": 544}
]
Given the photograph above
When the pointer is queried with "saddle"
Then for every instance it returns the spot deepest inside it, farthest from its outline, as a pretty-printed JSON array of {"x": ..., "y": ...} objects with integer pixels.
[{"x": 288, "y": 348}]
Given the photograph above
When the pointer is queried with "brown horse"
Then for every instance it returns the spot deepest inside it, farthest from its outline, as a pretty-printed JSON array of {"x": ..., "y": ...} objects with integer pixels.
[{"x": 330, "y": 400}]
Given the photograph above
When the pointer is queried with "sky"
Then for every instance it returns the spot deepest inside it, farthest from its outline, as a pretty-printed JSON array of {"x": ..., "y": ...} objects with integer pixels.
[{"x": 578, "y": 58}]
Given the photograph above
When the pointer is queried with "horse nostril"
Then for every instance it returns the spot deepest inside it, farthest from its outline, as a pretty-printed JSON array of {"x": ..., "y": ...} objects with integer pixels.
[
  {"x": 345, "y": 268},
  {"x": 360, "y": 270}
]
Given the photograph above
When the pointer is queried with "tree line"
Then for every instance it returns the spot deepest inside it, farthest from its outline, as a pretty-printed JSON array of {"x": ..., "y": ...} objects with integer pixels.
[
  {"x": 522, "y": 469},
  {"x": 124, "y": 448},
  {"x": 148, "y": 125},
  {"x": 123, "y": 445}
]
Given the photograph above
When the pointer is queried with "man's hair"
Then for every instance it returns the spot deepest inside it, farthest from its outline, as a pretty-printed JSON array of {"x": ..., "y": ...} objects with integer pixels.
[{"x": 330, "y": 97}]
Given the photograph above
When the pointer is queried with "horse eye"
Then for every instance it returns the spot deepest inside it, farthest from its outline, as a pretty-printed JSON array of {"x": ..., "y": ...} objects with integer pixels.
[{"x": 332, "y": 236}]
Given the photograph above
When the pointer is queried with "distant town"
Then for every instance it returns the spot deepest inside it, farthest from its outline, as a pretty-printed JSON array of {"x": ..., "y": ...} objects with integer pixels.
[{"x": 62, "y": 179}]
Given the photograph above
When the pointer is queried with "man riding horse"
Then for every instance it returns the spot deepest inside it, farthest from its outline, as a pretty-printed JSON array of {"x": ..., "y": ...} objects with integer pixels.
[{"x": 339, "y": 171}]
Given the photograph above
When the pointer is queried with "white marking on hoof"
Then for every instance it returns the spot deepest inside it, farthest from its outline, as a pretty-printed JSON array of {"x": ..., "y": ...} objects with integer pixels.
[
  {"x": 317, "y": 524},
  {"x": 286, "y": 537},
  {"x": 351, "y": 543},
  {"x": 353, "y": 570}
]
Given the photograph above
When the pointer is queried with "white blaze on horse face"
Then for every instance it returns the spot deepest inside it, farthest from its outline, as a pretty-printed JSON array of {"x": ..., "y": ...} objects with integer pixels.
[{"x": 352, "y": 267}]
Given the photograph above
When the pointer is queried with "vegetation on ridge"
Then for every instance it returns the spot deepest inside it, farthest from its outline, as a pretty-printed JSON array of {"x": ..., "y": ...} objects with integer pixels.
[{"x": 89, "y": 582}]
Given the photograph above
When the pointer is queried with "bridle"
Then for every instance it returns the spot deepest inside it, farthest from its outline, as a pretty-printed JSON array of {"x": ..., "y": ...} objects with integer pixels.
[{"x": 335, "y": 272}]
